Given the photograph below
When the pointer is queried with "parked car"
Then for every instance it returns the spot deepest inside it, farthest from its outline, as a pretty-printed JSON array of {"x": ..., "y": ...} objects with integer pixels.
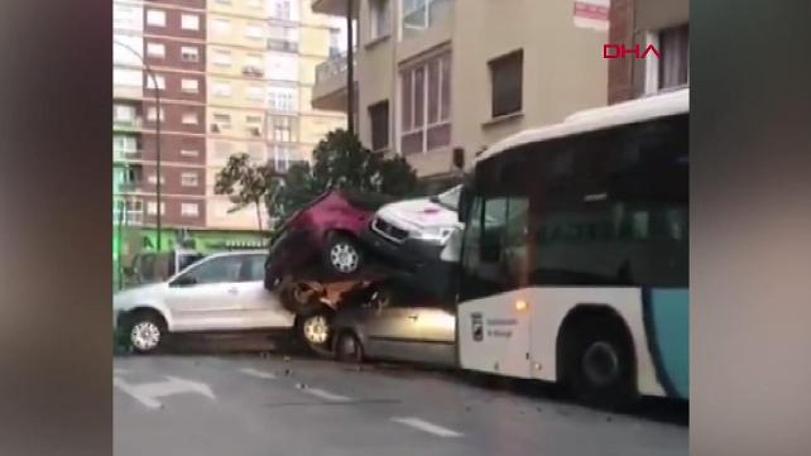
[
  {"x": 151, "y": 267},
  {"x": 413, "y": 234},
  {"x": 222, "y": 292},
  {"x": 396, "y": 321}
]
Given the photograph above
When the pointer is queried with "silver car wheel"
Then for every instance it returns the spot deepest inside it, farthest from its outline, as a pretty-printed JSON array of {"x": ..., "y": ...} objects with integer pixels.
[
  {"x": 344, "y": 257},
  {"x": 145, "y": 336},
  {"x": 316, "y": 329}
]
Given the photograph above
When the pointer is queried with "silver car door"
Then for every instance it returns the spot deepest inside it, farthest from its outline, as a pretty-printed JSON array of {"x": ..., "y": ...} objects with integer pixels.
[
  {"x": 436, "y": 327},
  {"x": 392, "y": 330},
  {"x": 259, "y": 308},
  {"x": 205, "y": 297}
]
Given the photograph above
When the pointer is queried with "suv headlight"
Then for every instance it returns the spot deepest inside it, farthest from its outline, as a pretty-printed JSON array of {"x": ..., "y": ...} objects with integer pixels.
[{"x": 434, "y": 235}]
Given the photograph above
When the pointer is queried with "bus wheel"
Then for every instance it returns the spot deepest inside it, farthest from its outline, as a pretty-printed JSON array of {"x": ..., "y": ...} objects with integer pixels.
[{"x": 599, "y": 364}]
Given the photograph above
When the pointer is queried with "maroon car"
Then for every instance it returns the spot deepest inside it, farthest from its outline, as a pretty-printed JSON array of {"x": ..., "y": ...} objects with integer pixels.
[{"x": 322, "y": 238}]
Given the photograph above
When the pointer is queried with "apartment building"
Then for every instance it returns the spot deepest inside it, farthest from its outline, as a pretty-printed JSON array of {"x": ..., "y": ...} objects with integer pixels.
[
  {"x": 661, "y": 23},
  {"x": 434, "y": 75},
  {"x": 233, "y": 76}
]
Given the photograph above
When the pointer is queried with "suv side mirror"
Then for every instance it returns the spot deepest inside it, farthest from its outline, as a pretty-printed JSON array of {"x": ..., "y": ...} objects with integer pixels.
[{"x": 184, "y": 281}]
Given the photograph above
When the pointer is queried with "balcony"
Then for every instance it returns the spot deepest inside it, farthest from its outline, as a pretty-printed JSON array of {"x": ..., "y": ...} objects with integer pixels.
[
  {"x": 329, "y": 92},
  {"x": 128, "y": 217},
  {"x": 128, "y": 125},
  {"x": 334, "y": 7}
]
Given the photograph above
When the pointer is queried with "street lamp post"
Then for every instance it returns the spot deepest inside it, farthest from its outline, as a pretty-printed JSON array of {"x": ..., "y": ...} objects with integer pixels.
[
  {"x": 350, "y": 70},
  {"x": 158, "y": 119}
]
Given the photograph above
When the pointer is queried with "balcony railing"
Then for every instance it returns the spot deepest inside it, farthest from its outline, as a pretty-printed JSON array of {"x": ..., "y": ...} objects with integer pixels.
[
  {"x": 131, "y": 217},
  {"x": 330, "y": 68},
  {"x": 133, "y": 124},
  {"x": 275, "y": 44}
]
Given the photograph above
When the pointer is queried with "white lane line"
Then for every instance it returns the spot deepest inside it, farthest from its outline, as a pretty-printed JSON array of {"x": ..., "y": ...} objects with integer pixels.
[
  {"x": 258, "y": 374},
  {"x": 326, "y": 395},
  {"x": 425, "y": 426},
  {"x": 133, "y": 392}
]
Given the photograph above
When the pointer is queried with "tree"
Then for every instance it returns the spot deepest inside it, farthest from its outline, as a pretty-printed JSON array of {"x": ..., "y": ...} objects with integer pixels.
[
  {"x": 245, "y": 183},
  {"x": 341, "y": 162}
]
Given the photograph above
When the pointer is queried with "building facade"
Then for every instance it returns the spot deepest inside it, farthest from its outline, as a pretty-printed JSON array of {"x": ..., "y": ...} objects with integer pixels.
[
  {"x": 233, "y": 76},
  {"x": 661, "y": 23},
  {"x": 434, "y": 75}
]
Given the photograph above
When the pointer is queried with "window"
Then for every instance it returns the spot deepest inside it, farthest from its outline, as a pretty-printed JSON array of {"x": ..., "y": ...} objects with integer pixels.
[
  {"x": 283, "y": 99},
  {"x": 506, "y": 77},
  {"x": 190, "y": 54},
  {"x": 280, "y": 9},
  {"x": 379, "y": 117},
  {"x": 283, "y": 129},
  {"x": 150, "y": 83},
  {"x": 152, "y": 114},
  {"x": 156, "y": 18},
  {"x": 192, "y": 153},
  {"x": 255, "y": 120},
  {"x": 190, "y": 118},
  {"x": 425, "y": 114},
  {"x": 223, "y": 121},
  {"x": 222, "y": 89},
  {"x": 379, "y": 18},
  {"x": 152, "y": 207},
  {"x": 189, "y": 179},
  {"x": 153, "y": 179},
  {"x": 124, "y": 113},
  {"x": 255, "y": 267},
  {"x": 222, "y": 26},
  {"x": 222, "y": 58},
  {"x": 419, "y": 15},
  {"x": 255, "y": 32},
  {"x": 128, "y": 78},
  {"x": 190, "y": 85},
  {"x": 189, "y": 209},
  {"x": 125, "y": 143},
  {"x": 223, "y": 269},
  {"x": 157, "y": 50},
  {"x": 281, "y": 38},
  {"x": 674, "y": 66},
  {"x": 190, "y": 22},
  {"x": 281, "y": 157}
]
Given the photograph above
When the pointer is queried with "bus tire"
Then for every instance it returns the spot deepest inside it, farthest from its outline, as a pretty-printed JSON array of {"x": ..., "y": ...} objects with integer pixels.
[{"x": 599, "y": 363}]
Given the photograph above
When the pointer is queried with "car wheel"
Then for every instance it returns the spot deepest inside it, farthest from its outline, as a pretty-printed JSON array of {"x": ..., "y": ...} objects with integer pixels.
[
  {"x": 146, "y": 332},
  {"x": 343, "y": 255},
  {"x": 599, "y": 365},
  {"x": 316, "y": 329},
  {"x": 348, "y": 348}
]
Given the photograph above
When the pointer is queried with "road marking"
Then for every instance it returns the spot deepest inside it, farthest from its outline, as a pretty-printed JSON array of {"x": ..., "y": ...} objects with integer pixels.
[
  {"x": 425, "y": 426},
  {"x": 148, "y": 393},
  {"x": 258, "y": 374},
  {"x": 326, "y": 395}
]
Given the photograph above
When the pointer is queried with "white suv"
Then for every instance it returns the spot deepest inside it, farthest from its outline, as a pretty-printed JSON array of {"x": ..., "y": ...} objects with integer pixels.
[{"x": 222, "y": 292}]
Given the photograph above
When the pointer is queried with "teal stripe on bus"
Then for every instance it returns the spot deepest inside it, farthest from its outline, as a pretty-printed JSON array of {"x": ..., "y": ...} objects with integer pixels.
[{"x": 670, "y": 317}]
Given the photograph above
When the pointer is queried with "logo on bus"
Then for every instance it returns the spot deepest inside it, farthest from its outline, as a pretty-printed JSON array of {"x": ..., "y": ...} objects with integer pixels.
[{"x": 477, "y": 324}]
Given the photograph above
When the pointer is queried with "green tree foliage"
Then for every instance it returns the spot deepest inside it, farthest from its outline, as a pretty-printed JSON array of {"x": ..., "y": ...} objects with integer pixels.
[
  {"x": 341, "y": 162},
  {"x": 246, "y": 183}
]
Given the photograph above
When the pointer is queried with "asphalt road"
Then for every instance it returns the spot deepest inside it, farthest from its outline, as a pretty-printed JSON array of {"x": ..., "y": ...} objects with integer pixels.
[{"x": 247, "y": 404}]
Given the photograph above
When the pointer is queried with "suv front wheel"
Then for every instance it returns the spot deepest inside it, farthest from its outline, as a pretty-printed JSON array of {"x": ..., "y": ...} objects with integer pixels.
[{"x": 342, "y": 254}]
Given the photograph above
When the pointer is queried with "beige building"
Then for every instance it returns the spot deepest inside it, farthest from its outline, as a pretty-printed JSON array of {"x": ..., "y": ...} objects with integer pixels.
[
  {"x": 260, "y": 62},
  {"x": 434, "y": 75}
]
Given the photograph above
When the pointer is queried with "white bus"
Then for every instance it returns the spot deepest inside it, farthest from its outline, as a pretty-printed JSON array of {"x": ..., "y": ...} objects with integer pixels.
[{"x": 575, "y": 254}]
